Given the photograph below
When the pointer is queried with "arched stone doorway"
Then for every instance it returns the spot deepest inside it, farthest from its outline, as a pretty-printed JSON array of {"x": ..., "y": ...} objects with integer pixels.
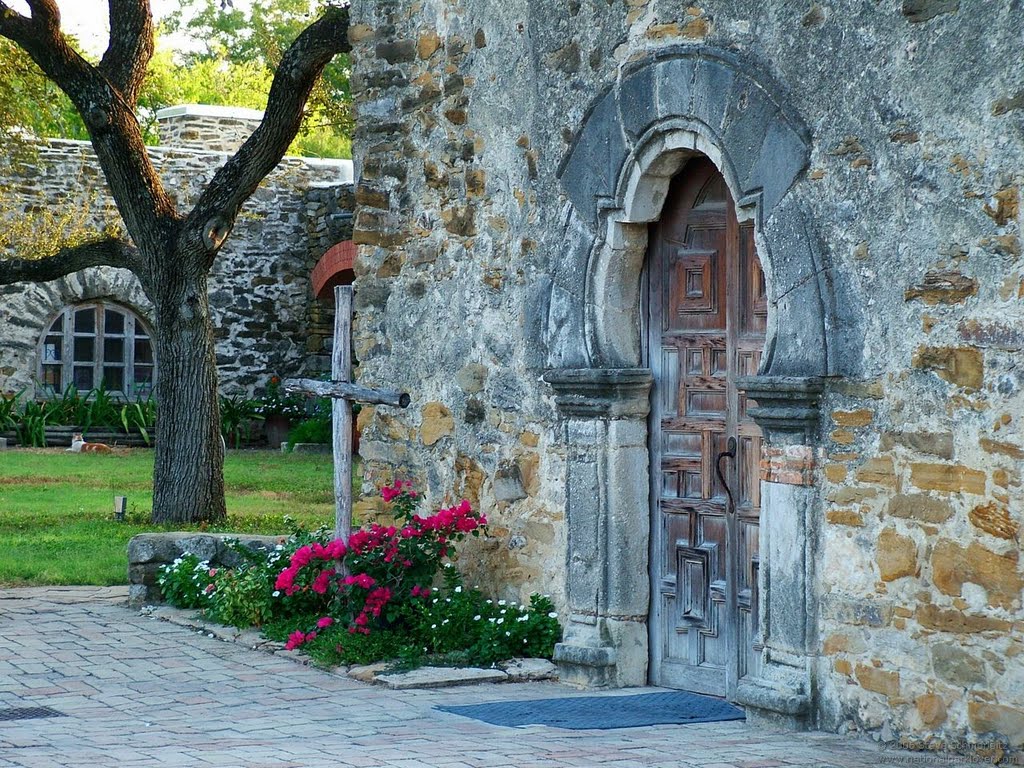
[{"x": 663, "y": 112}]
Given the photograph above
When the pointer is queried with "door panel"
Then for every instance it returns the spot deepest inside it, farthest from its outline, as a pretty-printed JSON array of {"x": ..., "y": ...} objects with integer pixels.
[{"x": 708, "y": 314}]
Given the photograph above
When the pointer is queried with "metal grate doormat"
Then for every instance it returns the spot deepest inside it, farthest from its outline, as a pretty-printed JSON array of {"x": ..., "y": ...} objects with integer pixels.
[
  {"x": 604, "y": 712},
  {"x": 28, "y": 713}
]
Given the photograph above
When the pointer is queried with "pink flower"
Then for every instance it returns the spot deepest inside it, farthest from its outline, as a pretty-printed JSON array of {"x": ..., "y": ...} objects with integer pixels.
[
  {"x": 295, "y": 639},
  {"x": 325, "y": 622},
  {"x": 302, "y": 557},
  {"x": 323, "y": 580},
  {"x": 210, "y": 588},
  {"x": 213, "y": 572},
  {"x": 336, "y": 550}
]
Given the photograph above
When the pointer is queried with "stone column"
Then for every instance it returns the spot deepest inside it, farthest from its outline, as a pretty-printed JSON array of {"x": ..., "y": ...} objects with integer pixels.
[
  {"x": 787, "y": 413},
  {"x": 604, "y": 414}
]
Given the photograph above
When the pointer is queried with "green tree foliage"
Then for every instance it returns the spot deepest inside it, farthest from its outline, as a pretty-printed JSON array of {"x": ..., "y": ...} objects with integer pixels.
[
  {"x": 30, "y": 104},
  {"x": 234, "y": 67},
  {"x": 258, "y": 36}
]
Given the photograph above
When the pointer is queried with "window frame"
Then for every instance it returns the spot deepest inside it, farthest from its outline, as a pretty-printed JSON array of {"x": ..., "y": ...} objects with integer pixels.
[{"x": 135, "y": 328}]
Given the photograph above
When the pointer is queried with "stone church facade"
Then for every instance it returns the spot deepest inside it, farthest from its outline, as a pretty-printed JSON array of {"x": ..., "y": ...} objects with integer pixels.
[
  {"x": 716, "y": 311},
  {"x": 266, "y": 320}
]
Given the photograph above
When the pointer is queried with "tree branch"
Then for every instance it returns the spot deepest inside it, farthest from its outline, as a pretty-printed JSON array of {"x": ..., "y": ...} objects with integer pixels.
[
  {"x": 130, "y": 48},
  {"x": 99, "y": 253},
  {"x": 214, "y": 215}
]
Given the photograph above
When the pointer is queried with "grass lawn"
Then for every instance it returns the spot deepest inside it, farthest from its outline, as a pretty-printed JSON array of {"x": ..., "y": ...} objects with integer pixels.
[{"x": 56, "y": 508}]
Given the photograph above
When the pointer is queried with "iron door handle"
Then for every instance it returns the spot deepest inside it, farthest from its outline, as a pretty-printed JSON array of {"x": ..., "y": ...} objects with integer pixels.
[{"x": 730, "y": 453}]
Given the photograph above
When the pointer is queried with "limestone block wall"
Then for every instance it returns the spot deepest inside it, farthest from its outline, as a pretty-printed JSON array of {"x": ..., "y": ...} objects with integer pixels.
[
  {"x": 259, "y": 286},
  {"x": 465, "y": 110}
]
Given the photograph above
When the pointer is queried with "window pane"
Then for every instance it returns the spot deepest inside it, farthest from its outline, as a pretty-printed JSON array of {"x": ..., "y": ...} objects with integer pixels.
[
  {"x": 51, "y": 377},
  {"x": 113, "y": 378},
  {"x": 52, "y": 348},
  {"x": 58, "y": 324},
  {"x": 143, "y": 375},
  {"x": 83, "y": 377},
  {"x": 143, "y": 351},
  {"x": 84, "y": 349},
  {"x": 113, "y": 322},
  {"x": 113, "y": 350},
  {"x": 85, "y": 320}
]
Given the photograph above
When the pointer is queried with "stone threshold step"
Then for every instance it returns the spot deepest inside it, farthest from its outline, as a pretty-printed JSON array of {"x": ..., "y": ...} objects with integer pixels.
[{"x": 512, "y": 671}]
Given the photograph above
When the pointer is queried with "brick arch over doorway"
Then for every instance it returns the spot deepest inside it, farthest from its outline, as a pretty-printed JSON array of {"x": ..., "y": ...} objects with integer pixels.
[{"x": 660, "y": 115}]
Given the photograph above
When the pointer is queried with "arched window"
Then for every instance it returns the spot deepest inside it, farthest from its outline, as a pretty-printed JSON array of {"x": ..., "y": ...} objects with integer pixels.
[{"x": 90, "y": 345}]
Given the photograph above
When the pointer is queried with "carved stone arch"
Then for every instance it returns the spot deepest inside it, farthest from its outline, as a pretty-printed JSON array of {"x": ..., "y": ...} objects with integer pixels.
[
  {"x": 639, "y": 132},
  {"x": 676, "y": 104}
]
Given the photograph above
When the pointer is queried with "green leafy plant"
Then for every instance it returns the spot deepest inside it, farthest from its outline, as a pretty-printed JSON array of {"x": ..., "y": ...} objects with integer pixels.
[
  {"x": 139, "y": 416},
  {"x": 315, "y": 430},
  {"x": 31, "y": 426},
  {"x": 236, "y": 414},
  {"x": 240, "y": 597},
  {"x": 9, "y": 410}
]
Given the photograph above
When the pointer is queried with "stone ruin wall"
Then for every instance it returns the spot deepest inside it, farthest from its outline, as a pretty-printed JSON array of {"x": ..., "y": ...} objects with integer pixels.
[
  {"x": 466, "y": 108},
  {"x": 264, "y": 317}
]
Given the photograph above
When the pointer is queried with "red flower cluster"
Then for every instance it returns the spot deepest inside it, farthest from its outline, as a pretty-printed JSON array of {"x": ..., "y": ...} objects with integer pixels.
[
  {"x": 297, "y": 638},
  {"x": 390, "y": 492},
  {"x": 386, "y": 564},
  {"x": 302, "y": 557}
]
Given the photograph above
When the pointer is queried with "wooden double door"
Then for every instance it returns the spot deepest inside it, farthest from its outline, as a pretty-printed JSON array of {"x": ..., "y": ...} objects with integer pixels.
[{"x": 706, "y": 314}]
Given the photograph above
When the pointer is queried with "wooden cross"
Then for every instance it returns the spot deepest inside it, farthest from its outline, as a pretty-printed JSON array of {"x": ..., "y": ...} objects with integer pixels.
[{"x": 343, "y": 393}]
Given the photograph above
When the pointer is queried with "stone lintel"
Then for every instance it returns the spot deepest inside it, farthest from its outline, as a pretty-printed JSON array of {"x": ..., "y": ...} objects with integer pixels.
[
  {"x": 601, "y": 393},
  {"x": 787, "y": 406}
]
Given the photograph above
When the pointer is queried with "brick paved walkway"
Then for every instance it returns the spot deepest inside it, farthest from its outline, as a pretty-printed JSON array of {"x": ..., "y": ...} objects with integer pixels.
[{"x": 140, "y": 692}]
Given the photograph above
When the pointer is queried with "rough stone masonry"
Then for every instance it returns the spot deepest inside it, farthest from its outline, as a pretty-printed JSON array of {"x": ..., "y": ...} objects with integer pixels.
[{"x": 508, "y": 164}]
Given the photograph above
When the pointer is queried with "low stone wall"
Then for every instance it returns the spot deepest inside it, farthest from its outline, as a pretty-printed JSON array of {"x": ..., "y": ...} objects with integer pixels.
[{"x": 148, "y": 551}]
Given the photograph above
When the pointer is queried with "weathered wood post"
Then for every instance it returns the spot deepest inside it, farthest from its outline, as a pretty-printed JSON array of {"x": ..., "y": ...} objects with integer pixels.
[{"x": 343, "y": 393}]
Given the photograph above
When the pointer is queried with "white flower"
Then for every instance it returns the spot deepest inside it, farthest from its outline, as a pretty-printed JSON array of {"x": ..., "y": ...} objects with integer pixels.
[
  {"x": 432, "y": 602},
  {"x": 444, "y": 622},
  {"x": 501, "y": 621},
  {"x": 502, "y": 602},
  {"x": 490, "y": 602},
  {"x": 433, "y": 626},
  {"x": 491, "y": 620},
  {"x": 552, "y": 615},
  {"x": 447, "y": 599},
  {"x": 477, "y": 617},
  {"x": 458, "y": 589},
  {"x": 524, "y": 641},
  {"x": 276, "y": 593},
  {"x": 523, "y": 618},
  {"x": 508, "y": 634},
  {"x": 503, "y": 611}
]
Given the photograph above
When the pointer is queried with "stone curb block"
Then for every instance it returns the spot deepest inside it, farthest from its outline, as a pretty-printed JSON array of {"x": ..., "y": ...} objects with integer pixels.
[{"x": 515, "y": 670}]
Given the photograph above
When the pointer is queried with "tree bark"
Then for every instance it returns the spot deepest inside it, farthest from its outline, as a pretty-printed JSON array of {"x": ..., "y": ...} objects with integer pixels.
[{"x": 188, "y": 474}]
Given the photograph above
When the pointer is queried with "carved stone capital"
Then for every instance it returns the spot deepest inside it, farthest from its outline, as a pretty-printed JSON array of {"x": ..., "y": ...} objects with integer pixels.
[
  {"x": 787, "y": 407},
  {"x": 601, "y": 393}
]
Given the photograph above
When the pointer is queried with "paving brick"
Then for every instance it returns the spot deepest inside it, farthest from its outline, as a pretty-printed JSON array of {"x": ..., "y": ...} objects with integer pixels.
[{"x": 143, "y": 692}]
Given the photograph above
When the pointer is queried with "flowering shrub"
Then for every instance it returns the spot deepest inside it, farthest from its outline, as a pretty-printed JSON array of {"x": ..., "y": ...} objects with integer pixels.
[
  {"x": 376, "y": 577},
  {"x": 187, "y": 582},
  {"x": 375, "y": 596},
  {"x": 274, "y": 402}
]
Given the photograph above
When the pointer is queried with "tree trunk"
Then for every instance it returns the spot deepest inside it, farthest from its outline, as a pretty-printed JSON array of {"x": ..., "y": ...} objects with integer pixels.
[{"x": 188, "y": 478}]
